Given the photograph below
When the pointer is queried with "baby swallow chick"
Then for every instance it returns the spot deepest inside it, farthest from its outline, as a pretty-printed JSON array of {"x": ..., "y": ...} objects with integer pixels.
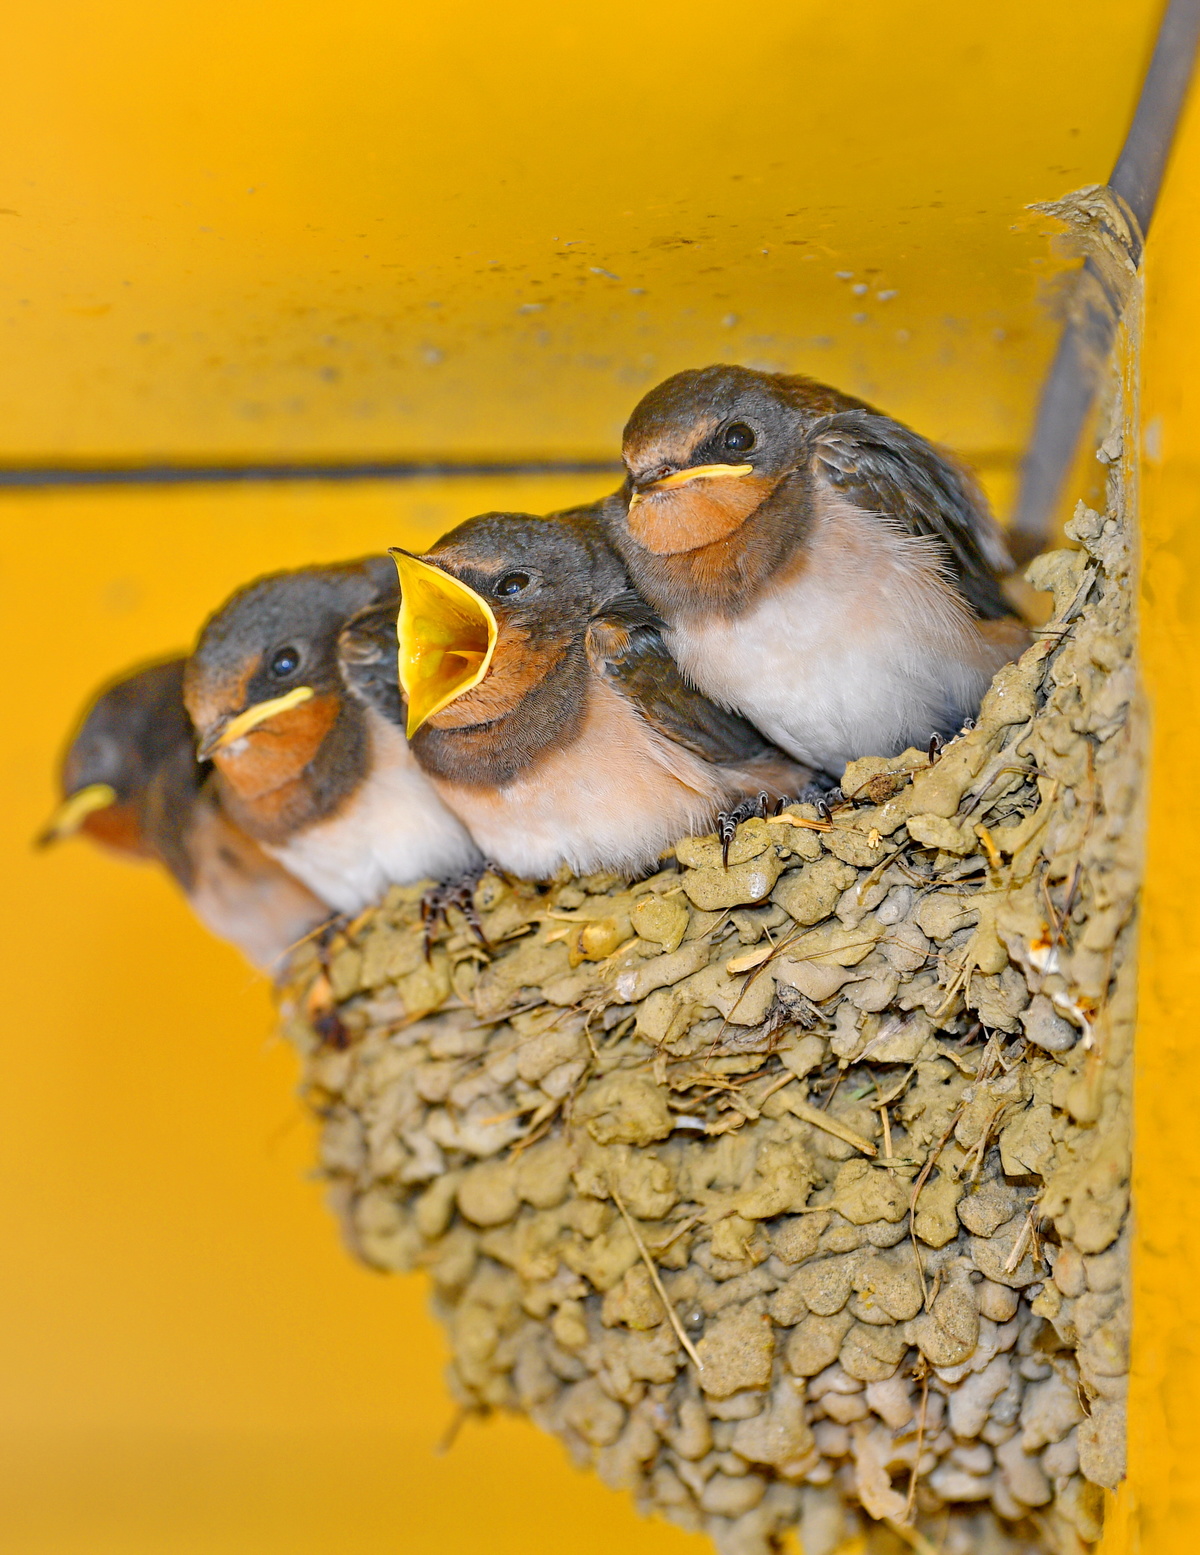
[
  {"x": 130, "y": 781},
  {"x": 546, "y": 710},
  {"x": 314, "y": 772},
  {"x": 821, "y": 569}
]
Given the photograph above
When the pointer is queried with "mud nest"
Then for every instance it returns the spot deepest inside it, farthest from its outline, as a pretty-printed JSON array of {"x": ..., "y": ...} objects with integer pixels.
[{"x": 791, "y": 1192}]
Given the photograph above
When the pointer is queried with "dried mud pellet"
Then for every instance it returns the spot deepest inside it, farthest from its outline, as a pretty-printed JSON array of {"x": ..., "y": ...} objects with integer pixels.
[
  {"x": 864, "y": 1195},
  {"x": 787, "y": 1306},
  {"x": 888, "y": 1286},
  {"x": 996, "y": 1302},
  {"x": 815, "y": 1341},
  {"x": 1022, "y": 1474},
  {"x": 795, "y": 1239},
  {"x": 946, "y": 1335},
  {"x": 1082, "y": 1505},
  {"x": 985, "y": 1209},
  {"x": 936, "y": 1221},
  {"x": 714, "y": 888},
  {"x": 893, "y": 1399},
  {"x": 729, "y": 1496},
  {"x": 780, "y": 1435},
  {"x": 1046, "y": 1028},
  {"x": 487, "y": 1194},
  {"x": 661, "y": 920},
  {"x": 598, "y": 1418},
  {"x": 809, "y": 894},
  {"x": 871, "y": 1352},
  {"x": 634, "y": 1301},
  {"x": 1101, "y": 1444},
  {"x": 1061, "y": 1459},
  {"x": 626, "y": 1108},
  {"x": 737, "y": 1350},
  {"x": 1049, "y": 1410},
  {"x": 825, "y": 1284},
  {"x": 956, "y": 1484},
  {"x": 845, "y": 1408},
  {"x": 974, "y": 1396}
]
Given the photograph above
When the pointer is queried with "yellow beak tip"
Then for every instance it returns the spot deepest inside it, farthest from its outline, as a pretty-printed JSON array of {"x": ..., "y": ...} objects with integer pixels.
[{"x": 73, "y": 811}]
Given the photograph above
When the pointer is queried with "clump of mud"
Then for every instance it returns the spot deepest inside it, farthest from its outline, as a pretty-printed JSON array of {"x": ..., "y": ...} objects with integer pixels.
[{"x": 792, "y": 1192}]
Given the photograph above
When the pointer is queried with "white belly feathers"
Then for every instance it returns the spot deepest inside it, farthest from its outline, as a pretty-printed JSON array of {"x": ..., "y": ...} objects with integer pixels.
[
  {"x": 863, "y": 650},
  {"x": 397, "y": 831},
  {"x": 616, "y": 799}
]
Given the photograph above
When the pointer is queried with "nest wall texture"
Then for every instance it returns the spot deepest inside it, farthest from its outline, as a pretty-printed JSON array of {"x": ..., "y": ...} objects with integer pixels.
[{"x": 792, "y": 1192}]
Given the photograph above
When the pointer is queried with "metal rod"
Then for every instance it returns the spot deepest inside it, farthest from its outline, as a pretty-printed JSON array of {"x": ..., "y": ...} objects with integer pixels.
[{"x": 1070, "y": 385}]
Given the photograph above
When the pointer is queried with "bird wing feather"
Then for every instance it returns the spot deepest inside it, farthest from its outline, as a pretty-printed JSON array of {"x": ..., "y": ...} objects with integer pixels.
[
  {"x": 367, "y": 659},
  {"x": 625, "y": 645},
  {"x": 883, "y": 467}
]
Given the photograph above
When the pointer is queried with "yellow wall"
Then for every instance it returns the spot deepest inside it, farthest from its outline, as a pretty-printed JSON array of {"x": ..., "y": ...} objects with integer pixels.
[
  {"x": 313, "y": 226},
  {"x": 188, "y": 1361},
  {"x": 1161, "y": 1504}
]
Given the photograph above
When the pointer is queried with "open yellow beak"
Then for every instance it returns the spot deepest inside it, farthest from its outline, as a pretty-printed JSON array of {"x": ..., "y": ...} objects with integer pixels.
[
  {"x": 446, "y": 635},
  {"x": 251, "y": 717},
  {"x": 72, "y": 813},
  {"x": 702, "y": 472}
]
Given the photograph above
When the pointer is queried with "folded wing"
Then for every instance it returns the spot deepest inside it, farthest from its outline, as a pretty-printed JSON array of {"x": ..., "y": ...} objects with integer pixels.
[{"x": 882, "y": 467}]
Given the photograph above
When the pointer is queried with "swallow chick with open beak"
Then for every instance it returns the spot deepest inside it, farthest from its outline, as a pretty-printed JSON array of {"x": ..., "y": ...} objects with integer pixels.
[
  {"x": 131, "y": 781},
  {"x": 822, "y": 570},
  {"x": 546, "y": 710},
  {"x": 319, "y": 777}
]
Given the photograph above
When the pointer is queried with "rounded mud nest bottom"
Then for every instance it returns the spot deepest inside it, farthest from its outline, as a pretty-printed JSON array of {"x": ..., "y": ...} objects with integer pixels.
[{"x": 790, "y": 1192}]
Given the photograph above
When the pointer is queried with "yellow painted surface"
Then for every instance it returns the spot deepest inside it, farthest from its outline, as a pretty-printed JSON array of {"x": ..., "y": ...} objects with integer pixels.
[
  {"x": 380, "y": 226},
  {"x": 188, "y": 1361},
  {"x": 1159, "y": 1509}
]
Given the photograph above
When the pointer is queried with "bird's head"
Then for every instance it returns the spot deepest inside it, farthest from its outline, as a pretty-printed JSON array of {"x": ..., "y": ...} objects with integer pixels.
[
  {"x": 263, "y": 687},
  {"x": 487, "y": 613},
  {"x": 703, "y": 451},
  {"x": 129, "y": 730}
]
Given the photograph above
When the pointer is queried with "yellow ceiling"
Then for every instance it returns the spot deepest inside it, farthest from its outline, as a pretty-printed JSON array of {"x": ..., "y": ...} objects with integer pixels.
[{"x": 236, "y": 230}]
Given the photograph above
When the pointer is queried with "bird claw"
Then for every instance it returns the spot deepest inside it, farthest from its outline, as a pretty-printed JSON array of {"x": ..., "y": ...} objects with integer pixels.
[
  {"x": 460, "y": 893},
  {"x": 825, "y": 800},
  {"x": 331, "y": 1032},
  {"x": 728, "y": 821}
]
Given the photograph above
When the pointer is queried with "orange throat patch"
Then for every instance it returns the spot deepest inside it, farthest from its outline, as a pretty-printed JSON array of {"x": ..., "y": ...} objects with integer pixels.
[
  {"x": 276, "y": 752},
  {"x": 687, "y": 518}
]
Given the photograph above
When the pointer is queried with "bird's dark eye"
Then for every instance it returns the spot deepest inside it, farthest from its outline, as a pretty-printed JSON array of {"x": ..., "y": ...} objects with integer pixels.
[
  {"x": 512, "y": 583},
  {"x": 739, "y": 438},
  {"x": 286, "y": 662}
]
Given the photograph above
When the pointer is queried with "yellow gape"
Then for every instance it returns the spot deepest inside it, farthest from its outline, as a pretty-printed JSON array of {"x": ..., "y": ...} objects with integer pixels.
[{"x": 446, "y": 636}]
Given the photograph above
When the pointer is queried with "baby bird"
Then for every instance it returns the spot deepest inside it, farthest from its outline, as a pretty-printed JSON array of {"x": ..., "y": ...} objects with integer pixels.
[
  {"x": 131, "y": 782},
  {"x": 546, "y": 711},
  {"x": 317, "y": 775},
  {"x": 821, "y": 569}
]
